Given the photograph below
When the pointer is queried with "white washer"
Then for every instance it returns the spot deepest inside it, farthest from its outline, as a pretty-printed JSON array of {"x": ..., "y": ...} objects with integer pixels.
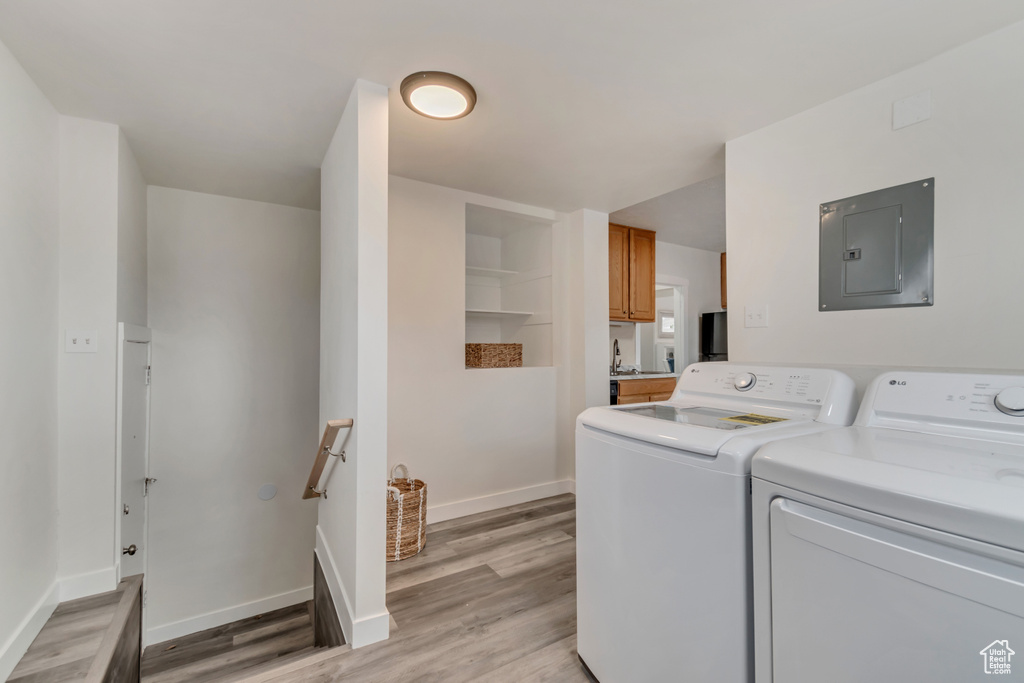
[
  {"x": 663, "y": 518},
  {"x": 893, "y": 550}
]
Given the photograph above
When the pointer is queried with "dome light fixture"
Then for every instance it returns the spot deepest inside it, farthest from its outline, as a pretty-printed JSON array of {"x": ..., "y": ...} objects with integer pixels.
[{"x": 438, "y": 95}]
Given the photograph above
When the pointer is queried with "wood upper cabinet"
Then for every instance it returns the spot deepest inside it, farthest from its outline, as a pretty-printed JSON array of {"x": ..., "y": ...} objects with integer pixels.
[
  {"x": 618, "y": 272},
  {"x": 641, "y": 275},
  {"x": 631, "y": 269}
]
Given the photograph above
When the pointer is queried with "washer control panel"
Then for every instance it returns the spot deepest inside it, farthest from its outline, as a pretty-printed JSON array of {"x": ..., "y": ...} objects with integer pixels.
[
  {"x": 937, "y": 398},
  {"x": 786, "y": 385}
]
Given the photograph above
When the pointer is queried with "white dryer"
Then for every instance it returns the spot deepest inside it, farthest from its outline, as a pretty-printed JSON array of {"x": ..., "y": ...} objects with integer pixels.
[
  {"x": 663, "y": 518},
  {"x": 893, "y": 550}
]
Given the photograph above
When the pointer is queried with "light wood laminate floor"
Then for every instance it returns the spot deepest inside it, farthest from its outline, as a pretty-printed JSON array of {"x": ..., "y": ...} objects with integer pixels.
[
  {"x": 491, "y": 598},
  {"x": 232, "y": 651},
  {"x": 88, "y": 638},
  {"x": 65, "y": 648}
]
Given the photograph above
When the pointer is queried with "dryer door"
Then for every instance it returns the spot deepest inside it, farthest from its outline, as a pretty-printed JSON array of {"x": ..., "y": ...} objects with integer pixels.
[{"x": 856, "y": 601}]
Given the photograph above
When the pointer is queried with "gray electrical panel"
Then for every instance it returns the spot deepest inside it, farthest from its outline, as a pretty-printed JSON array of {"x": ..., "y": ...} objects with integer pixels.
[{"x": 877, "y": 249}]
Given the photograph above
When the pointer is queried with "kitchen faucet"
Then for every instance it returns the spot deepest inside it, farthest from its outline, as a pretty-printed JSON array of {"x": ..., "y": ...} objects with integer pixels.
[{"x": 616, "y": 356}]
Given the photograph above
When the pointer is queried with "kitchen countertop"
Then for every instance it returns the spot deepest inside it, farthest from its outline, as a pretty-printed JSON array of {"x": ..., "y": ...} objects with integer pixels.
[{"x": 649, "y": 376}]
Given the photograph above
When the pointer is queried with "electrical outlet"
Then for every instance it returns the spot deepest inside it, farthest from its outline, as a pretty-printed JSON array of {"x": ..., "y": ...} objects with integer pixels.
[
  {"x": 755, "y": 316},
  {"x": 80, "y": 341}
]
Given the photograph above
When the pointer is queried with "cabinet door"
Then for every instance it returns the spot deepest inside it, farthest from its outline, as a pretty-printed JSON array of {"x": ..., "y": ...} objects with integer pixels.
[
  {"x": 645, "y": 387},
  {"x": 723, "y": 281},
  {"x": 618, "y": 272},
  {"x": 641, "y": 275},
  {"x": 638, "y": 398}
]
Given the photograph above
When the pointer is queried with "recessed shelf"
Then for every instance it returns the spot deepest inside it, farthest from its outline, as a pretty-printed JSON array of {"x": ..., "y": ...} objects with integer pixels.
[
  {"x": 496, "y": 314},
  {"x": 489, "y": 272}
]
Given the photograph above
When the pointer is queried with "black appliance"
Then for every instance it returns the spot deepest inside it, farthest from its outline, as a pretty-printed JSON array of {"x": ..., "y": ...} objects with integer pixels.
[
  {"x": 615, "y": 392},
  {"x": 714, "y": 337}
]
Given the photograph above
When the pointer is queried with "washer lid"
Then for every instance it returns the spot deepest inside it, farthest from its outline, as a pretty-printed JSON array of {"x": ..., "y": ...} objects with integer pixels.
[
  {"x": 726, "y": 435},
  {"x": 970, "y": 487},
  {"x": 712, "y": 418}
]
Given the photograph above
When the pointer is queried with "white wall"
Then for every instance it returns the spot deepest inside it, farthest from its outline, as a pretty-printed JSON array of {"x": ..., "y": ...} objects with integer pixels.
[
  {"x": 131, "y": 237},
  {"x": 87, "y": 399},
  {"x": 973, "y": 146},
  {"x": 354, "y": 361},
  {"x": 702, "y": 271},
  {"x": 469, "y": 433},
  {"x": 234, "y": 309},
  {"x": 28, "y": 360},
  {"x": 581, "y": 276}
]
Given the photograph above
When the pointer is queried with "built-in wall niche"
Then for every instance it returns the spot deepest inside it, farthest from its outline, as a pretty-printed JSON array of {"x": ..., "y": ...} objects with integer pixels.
[{"x": 508, "y": 281}]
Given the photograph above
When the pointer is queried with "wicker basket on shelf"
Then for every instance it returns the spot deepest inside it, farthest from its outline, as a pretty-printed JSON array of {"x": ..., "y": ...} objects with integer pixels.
[
  {"x": 494, "y": 355},
  {"x": 407, "y": 515}
]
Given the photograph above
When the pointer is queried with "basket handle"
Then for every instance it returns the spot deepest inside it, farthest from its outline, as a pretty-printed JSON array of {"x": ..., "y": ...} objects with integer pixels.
[
  {"x": 394, "y": 493},
  {"x": 395, "y": 469}
]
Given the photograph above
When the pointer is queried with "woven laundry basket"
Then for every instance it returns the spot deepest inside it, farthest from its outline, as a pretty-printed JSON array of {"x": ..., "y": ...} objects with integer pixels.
[{"x": 407, "y": 515}]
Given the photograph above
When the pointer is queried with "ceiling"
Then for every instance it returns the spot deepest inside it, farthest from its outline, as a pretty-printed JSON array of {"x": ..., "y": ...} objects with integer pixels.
[
  {"x": 597, "y": 104},
  {"x": 693, "y": 216}
]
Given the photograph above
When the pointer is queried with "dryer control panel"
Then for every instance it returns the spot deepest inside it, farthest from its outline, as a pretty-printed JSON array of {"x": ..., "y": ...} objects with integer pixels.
[
  {"x": 936, "y": 401},
  {"x": 828, "y": 391}
]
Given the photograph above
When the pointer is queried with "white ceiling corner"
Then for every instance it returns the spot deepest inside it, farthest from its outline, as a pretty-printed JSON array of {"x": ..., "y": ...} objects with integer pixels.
[{"x": 692, "y": 216}]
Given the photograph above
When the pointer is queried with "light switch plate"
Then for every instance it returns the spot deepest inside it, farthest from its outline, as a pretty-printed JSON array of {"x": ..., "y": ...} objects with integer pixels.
[
  {"x": 80, "y": 341},
  {"x": 755, "y": 316}
]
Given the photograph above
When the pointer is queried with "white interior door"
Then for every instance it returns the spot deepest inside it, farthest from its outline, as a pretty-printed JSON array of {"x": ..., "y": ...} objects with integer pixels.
[{"x": 134, "y": 452}]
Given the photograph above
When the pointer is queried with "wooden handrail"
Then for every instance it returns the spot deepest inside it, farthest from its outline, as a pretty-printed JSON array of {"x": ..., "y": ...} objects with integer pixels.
[{"x": 330, "y": 434}]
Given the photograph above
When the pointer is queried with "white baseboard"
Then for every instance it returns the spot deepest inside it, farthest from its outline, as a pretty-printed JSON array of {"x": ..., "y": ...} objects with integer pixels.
[
  {"x": 463, "y": 508},
  {"x": 184, "y": 627},
  {"x": 358, "y": 632},
  {"x": 17, "y": 645},
  {"x": 370, "y": 630},
  {"x": 83, "y": 585}
]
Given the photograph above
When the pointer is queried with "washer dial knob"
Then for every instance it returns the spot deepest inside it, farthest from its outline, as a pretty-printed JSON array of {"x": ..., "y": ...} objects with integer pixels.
[
  {"x": 1011, "y": 401},
  {"x": 744, "y": 381}
]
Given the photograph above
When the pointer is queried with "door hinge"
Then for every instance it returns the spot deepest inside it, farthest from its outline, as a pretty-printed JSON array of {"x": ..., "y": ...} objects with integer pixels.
[{"x": 149, "y": 374}]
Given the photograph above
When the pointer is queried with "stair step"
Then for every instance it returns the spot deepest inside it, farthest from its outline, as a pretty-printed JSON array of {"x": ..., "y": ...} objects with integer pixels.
[
  {"x": 251, "y": 635},
  {"x": 236, "y": 659},
  {"x": 286, "y": 665}
]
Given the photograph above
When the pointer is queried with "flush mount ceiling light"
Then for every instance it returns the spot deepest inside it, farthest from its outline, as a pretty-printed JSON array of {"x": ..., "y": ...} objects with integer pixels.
[{"x": 438, "y": 95}]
